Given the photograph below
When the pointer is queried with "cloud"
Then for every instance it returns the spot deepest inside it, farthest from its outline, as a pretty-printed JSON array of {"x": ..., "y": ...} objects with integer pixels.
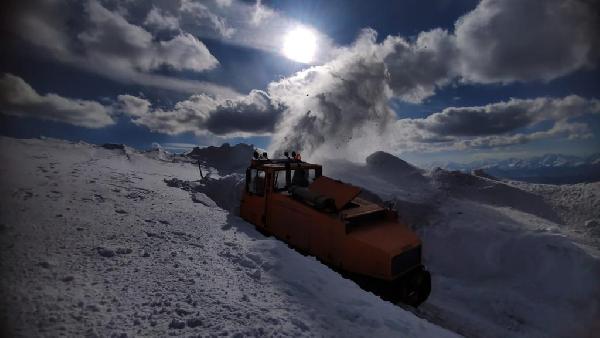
[
  {"x": 503, "y": 117},
  {"x": 497, "y": 42},
  {"x": 260, "y": 13},
  {"x": 341, "y": 109},
  {"x": 223, "y": 3},
  {"x": 199, "y": 16},
  {"x": 341, "y": 106},
  {"x": 499, "y": 124},
  {"x": 18, "y": 98},
  {"x": 570, "y": 130},
  {"x": 158, "y": 19},
  {"x": 112, "y": 41},
  {"x": 247, "y": 24},
  {"x": 416, "y": 70},
  {"x": 254, "y": 114},
  {"x": 106, "y": 43},
  {"x": 514, "y": 40},
  {"x": 134, "y": 106},
  {"x": 491, "y": 44}
]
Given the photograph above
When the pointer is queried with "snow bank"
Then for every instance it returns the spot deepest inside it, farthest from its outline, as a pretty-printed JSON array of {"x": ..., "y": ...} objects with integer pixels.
[
  {"x": 499, "y": 272},
  {"x": 94, "y": 243},
  {"x": 489, "y": 191},
  {"x": 225, "y": 191},
  {"x": 226, "y": 159},
  {"x": 575, "y": 203},
  {"x": 159, "y": 154},
  {"x": 501, "y": 265},
  {"x": 409, "y": 192},
  {"x": 503, "y": 262},
  {"x": 394, "y": 170}
]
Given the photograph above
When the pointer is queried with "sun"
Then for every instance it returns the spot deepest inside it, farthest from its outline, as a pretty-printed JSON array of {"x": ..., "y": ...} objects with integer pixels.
[{"x": 300, "y": 45}]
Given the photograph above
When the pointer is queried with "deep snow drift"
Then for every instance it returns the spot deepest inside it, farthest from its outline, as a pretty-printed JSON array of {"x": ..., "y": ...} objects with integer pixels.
[{"x": 94, "y": 242}]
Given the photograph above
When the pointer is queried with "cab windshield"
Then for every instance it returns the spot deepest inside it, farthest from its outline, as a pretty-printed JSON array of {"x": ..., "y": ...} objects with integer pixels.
[{"x": 298, "y": 177}]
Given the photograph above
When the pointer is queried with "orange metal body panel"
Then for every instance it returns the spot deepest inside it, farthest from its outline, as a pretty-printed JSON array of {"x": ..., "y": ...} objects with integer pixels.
[
  {"x": 253, "y": 209},
  {"x": 302, "y": 226},
  {"x": 366, "y": 248},
  {"x": 390, "y": 237},
  {"x": 340, "y": 192}
]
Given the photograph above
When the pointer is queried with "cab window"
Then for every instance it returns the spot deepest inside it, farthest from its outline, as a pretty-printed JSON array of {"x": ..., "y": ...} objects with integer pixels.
[
  {"x": 300, "y": 178},
  {"x": 279, "y": 181},
  {"x": 255, "y": 182},
  {"x": 303, "y": 177},
  {"x": 312, "y": 175}
]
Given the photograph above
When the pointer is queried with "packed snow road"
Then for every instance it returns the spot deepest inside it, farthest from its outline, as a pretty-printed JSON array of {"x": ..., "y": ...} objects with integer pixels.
[{"x": 94, "y": 243}]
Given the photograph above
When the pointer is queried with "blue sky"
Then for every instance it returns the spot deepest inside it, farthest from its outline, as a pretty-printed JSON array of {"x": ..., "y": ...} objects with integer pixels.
[{"x": 429, "y": 81}]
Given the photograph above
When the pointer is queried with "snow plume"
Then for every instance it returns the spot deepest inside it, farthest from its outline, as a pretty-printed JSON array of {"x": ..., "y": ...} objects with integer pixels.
[
  {"x": 335, "y": 104},
  {"x": 253, "y": 114},
  {"x": 18, "y": 98}
]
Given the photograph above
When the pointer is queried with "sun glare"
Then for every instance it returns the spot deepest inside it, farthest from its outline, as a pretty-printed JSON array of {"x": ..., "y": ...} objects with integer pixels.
[{"x": 300, "y": 45}]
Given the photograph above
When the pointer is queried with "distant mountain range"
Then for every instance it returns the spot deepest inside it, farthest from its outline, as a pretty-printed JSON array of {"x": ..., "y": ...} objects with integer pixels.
[{"x": 549, "y": 168}]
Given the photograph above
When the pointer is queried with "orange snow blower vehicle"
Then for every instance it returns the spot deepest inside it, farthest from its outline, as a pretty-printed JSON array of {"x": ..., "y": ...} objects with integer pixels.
[{"x": 327, "y": 218}]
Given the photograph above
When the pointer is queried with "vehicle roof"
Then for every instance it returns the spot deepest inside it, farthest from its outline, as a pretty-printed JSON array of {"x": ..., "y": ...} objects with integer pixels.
[{"x": 280, "y": 164}]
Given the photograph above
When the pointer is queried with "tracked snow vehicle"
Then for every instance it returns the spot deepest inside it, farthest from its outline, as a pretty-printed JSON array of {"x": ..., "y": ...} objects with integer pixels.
[{"x": 327, "y": 218}]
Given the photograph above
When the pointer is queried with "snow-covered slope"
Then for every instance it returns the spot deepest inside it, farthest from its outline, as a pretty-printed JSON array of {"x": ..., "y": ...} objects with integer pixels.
[
  {"x": 549, "y": 168},
  {"x": 507, "y": 259},
  {"x": 102, "y": 242},
  {"x": 93, "y": 242}
]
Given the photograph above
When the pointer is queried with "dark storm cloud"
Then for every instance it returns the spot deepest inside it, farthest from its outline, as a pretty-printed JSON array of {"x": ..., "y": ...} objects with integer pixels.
[
  {"x": 253, "y": 114},
  {"x": 18, "y": 98}
]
